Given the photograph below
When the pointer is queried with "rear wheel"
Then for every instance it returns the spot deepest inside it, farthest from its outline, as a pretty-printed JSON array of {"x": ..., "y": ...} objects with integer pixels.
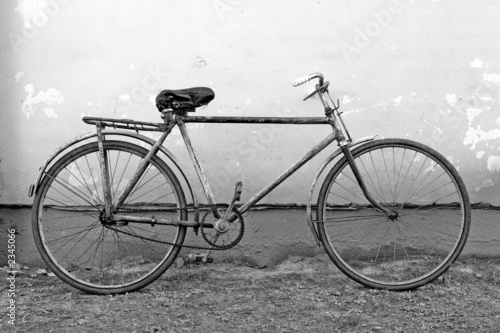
[
  {"x": 426, "y": 233},
  {"x": 98, "y": 257}
]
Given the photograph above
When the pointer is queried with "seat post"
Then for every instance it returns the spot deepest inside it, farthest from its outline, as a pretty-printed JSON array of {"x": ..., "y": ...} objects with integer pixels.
[{"x": 167, "y": 116}]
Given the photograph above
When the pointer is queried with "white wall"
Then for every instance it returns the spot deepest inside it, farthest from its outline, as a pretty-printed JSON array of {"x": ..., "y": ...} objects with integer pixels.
[{"x": 425, "y": 70}]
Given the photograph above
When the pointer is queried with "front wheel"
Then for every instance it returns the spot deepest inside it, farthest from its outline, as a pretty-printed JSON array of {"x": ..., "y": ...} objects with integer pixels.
[
  {"x": 76, "y": 242},
  {"x": 419, "y": 241}
]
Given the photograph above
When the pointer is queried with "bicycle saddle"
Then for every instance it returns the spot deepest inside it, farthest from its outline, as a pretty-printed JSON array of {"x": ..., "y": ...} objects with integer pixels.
[{"x": 184, "y": 99}]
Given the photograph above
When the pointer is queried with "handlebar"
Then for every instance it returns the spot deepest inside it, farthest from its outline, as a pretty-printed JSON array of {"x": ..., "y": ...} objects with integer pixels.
[{"x": 308, "y": 78}]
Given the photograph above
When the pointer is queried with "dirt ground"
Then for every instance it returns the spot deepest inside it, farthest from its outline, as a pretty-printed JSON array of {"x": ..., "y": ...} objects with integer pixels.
[{"x": 298, "y": 295}]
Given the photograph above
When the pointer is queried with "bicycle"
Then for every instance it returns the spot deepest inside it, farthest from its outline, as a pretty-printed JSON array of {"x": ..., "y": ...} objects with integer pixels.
[{"x": 110, "y": 216}]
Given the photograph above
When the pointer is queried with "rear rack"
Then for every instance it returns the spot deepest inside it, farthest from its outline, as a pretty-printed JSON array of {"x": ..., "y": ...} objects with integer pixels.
[{"x": 126, "y": 124}]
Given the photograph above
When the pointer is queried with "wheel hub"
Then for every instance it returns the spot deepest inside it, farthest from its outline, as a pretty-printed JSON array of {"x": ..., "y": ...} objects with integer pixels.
[
  {"x": 393, "y": 217},
  {"x": 107, "y": 220}
]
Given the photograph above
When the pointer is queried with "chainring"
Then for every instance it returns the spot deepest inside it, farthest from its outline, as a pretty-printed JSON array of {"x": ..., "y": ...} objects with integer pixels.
[{"x": 228, "y": 239}]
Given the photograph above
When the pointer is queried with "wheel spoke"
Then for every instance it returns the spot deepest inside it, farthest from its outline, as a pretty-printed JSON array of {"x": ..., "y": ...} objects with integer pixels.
[
  {"x": 94, "y": 254},
  {"x": 420, "y": 238}
]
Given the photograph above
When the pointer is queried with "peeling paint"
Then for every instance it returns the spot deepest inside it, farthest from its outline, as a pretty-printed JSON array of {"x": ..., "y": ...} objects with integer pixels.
[
  {"x": 476, "y": 135},
  {"x": 486, "y": 183},
  {"x": 397, "y": 100},
  {"x": 50, "y": 97},
  {"x": 363, "y": 109},
  {"x": 451, "y": 99},
  {"x": 472, "y": 113},
  {"x": 477, "y": 63},
  {"x": 32, "y": 11},
  {"x": 152, "y": 99},
  {"x": 125, "y": 98},
  {"x": 18, "y": 76},
  {"x": 437, "y": 128},
  {"x": 479, "y": 154},
  {"x": 493, "y": 163},
  {"x": 346, "y": 99},
  {"x": 49, "y": 112},
  {"x": 492, "y": 79}
]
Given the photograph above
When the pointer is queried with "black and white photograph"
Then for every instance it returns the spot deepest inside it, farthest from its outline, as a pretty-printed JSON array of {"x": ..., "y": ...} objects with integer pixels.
[{"x": 249, "y": 166}]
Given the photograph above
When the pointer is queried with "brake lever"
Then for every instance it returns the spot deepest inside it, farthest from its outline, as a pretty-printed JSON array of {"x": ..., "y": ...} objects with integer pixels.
[
  {"x": 312, "y": 94},
  {"x": 323, "y": 88}
]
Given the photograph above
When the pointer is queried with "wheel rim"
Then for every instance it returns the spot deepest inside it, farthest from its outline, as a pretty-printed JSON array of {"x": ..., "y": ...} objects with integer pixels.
[
  {"x": 86, "y": 252},
  {"x": 419, "y": 241}
]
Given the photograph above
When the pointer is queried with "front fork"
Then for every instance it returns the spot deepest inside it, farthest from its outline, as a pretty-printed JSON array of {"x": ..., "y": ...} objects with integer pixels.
[
  {"x": 350, "y": 159},
  {"x": 344, "y": 145}
]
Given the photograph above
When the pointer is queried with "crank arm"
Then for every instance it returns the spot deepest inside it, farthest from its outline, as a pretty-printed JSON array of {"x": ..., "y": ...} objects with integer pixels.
[
  {"x": 236, "y": 197},
  {"x": 205, "y": 256}
]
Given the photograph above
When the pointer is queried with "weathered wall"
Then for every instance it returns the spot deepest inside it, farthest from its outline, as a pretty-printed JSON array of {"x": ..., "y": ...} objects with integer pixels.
[
  {"x": 270, "y": 237},
  {"x": 424, "y": 70}
]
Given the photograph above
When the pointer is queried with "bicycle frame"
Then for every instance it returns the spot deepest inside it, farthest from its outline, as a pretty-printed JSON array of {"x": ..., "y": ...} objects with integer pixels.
[{"x": 172, "y": 119}]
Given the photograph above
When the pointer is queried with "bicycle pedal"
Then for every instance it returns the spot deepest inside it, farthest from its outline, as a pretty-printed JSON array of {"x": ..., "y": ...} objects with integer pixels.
[{"x": 237, "y": 192}]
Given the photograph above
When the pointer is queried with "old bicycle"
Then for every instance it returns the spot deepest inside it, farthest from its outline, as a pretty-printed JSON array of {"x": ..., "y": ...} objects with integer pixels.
[{"x": 110, "y": 216}]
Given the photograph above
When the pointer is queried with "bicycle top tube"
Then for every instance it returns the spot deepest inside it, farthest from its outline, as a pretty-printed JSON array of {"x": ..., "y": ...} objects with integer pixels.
[
  {"x": 320, "y": 89},
  {"x": 182, "y": 114},
  {"x": 255, "y": 120}
]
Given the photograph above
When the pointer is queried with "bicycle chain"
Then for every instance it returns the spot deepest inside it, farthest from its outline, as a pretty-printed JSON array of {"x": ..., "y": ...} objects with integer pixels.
[{"x": 196, "y": 247}]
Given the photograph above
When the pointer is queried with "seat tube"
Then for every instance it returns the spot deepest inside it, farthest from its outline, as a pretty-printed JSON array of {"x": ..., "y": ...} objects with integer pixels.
[{"x": 197, "y": 165}]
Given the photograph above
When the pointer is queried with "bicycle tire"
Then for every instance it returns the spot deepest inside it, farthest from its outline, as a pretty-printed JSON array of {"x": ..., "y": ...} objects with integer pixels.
[
  {"x": 403, "y": 252},
  {"x": 89, "y": 255}
]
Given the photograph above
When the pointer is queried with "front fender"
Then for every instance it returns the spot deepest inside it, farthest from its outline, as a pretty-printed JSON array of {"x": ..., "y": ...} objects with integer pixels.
[{"x": 310, "y": 220}]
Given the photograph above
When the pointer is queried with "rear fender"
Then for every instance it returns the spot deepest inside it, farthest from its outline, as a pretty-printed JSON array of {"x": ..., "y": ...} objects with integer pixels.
[{"x": 89, "y": 136}]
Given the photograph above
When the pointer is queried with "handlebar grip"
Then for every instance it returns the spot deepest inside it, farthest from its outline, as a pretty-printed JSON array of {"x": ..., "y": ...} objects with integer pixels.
[{"x": 301, "y": 80}]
